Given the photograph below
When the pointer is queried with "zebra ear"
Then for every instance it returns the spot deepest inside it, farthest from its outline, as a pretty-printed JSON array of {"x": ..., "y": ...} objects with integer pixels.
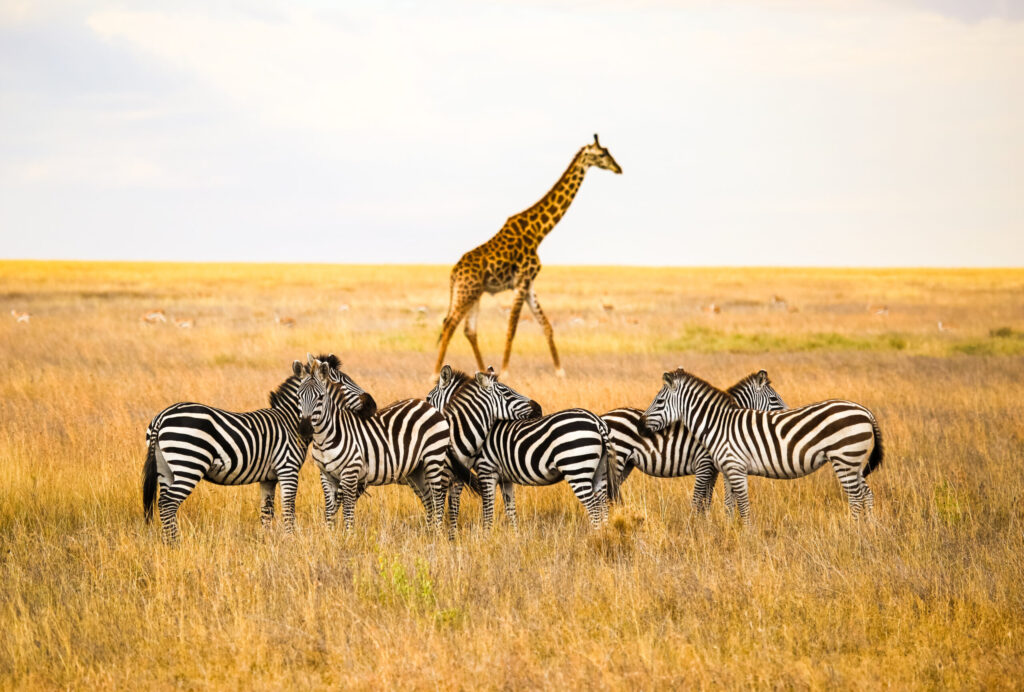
[
  {"x": 762, "y": 377},
  {"x": 446, "y": 375},
  {"x": 490, "y": 370},
  {"x": 483, "y": 380},
  {"x": 310, "y": 360},
  {"x": 668, "y": 378},
  {"x": 297, "y": 368}
]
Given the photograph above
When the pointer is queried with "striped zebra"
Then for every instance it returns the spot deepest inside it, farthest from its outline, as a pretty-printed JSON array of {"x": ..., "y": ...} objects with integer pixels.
[
  {"x": 404, "y": 442},
  {"x": 773, "y": 444},
  {"x": 540, "y": 450},
  {"x": 189, "y": 442},
  {"x": 673, "y": 451}
]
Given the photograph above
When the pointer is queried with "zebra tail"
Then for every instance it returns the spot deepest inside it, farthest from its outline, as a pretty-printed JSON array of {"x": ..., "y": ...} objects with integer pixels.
[
  {"x": 463, "y": 473},
  {"x": 878, "y": 453},
  {"x": 611, "y": 461},
  {"x": 149, "y": 479}
]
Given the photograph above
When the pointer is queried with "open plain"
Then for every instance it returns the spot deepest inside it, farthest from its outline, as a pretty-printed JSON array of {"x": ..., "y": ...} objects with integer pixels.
[{"x": 929, "y": 593}]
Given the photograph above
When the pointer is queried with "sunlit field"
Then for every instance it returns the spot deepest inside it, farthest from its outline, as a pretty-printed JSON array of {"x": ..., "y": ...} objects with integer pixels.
[{"x": 928, "y": 593}]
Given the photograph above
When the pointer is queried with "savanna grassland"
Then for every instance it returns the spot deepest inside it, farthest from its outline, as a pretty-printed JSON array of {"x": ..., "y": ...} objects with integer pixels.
[{"x": 929, "y": 594}]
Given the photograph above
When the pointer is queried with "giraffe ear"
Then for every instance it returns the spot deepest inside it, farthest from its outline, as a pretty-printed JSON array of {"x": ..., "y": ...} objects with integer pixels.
[{"x": 446, "y": 375}]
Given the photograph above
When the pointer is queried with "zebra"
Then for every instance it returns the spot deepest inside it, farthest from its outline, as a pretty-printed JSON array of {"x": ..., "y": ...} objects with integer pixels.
[
  {"x": 189, "y": 442},
  {"x": 774, "y": 444},
  {"x": 406, "y": 441},
  {"x": 536, "y": 450},
  {"x": 674, "y": 451}
]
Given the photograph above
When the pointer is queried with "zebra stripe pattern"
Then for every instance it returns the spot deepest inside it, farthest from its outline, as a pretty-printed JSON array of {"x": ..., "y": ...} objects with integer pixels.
[
  {"x": 674, "y": 451},
  {"x": 405, "y": 442},
  {"x": 572, "y": 445},
  {"x": 189, "y": 442},
  {"x": 773, "y": 444}
]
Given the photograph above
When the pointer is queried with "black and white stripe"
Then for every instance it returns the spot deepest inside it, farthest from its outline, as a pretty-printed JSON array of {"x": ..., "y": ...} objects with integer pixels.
[
  {"x": 189, "y": 442},
  {"x": 405, "y": 442},
  {"x": 773, "y": 444},
  {"x": 673, "y": 451},
  {"x": 572, "y": 445}
]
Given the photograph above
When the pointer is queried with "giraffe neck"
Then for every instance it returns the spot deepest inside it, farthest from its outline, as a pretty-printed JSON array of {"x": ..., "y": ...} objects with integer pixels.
[{"x": 552, "y": 207}]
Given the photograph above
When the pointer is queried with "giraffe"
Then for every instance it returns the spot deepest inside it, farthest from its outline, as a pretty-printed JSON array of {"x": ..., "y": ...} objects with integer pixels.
[{"x": 509, "y": 261}]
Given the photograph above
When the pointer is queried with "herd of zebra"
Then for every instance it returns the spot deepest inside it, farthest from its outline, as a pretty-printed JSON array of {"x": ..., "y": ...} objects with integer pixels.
[{"x": 474, "y": 430}]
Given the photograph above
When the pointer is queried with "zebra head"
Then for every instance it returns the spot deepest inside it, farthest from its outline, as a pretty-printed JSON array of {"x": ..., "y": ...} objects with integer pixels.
[
  {"x": 687, "y": 398},
  {"x": 505, "y": 402},
  {"x": 311, "y": 396},
  {"x": 348, "y": 394},
  {"x": 447, "y": 383},
  {"x": 756, "y": 391},
  {"x": 666, "y": 407}
]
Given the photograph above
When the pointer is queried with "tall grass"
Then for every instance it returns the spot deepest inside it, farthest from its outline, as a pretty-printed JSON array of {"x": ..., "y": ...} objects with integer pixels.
[{"x": 929, "y": 594}]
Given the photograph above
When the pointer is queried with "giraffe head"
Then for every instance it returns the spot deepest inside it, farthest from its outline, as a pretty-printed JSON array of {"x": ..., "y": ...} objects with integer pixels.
[{"x": 596, "y": 155}]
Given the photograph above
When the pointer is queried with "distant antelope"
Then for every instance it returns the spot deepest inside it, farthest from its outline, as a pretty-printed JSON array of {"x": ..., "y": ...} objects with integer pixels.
[
  {"x": 945, "y": 326},
  {"x": 19, "y": 316},
  {"x": 154, "y": 317},
  {"x": 712, "y": 309},
  {"x": 284, "y": 321},
  {"x": 186, "y": 323},
  {"x": 606, "y": 305},
  {"x": 882, "y": 310}
]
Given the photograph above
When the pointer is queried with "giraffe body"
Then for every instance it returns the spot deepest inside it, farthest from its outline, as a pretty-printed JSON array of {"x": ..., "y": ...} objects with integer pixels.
[{"x": 509, "y": 261}]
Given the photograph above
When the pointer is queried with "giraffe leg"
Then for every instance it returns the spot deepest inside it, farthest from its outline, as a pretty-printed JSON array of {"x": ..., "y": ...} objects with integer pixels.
[
  {"x": 470, "y": 331},
  {"x": 513, "y": 322},
  {"x": 549, "y": 333},
  {"x": 463, "y": 299}
]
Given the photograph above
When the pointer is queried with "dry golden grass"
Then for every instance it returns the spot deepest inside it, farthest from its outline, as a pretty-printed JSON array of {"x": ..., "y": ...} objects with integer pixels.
[{"x": 927, "y": 595}]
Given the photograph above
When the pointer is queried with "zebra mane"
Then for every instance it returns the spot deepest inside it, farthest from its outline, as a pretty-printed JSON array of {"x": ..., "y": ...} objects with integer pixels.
[
  {"x": 680, "y": 375},
  {"x": 332, "y": 360},
  {"x": 281, "y": 397},
  {"x": 747, "y": 381},
  {"x": 463, "y": 381}
]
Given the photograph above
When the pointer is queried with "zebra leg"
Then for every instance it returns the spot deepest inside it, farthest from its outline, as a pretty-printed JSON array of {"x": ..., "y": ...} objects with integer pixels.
[
  {"x": 436, "y": 475},
  {"x": 508, "y": 497},
  {"x": 289, "y": 481},
  {"x": 736, "y": 479},
  {"x": 704, "y": 486},
  {"x": 348, "y": 488},
  {"x": 267, "y": 490},
  {"x": 454, "y": 495},
  {"x": 853, "y": 483},
  {"x": 584, "y": 491},
  {"x": 418, "y": 483},
  {"x": 330, "y": 488},
  {"x": 171, "y": 497},
  {"x": 487, "y": 483}
]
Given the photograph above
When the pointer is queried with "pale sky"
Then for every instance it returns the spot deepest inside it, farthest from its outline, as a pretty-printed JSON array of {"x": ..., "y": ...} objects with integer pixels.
[{"x": 785, "y": 132}]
